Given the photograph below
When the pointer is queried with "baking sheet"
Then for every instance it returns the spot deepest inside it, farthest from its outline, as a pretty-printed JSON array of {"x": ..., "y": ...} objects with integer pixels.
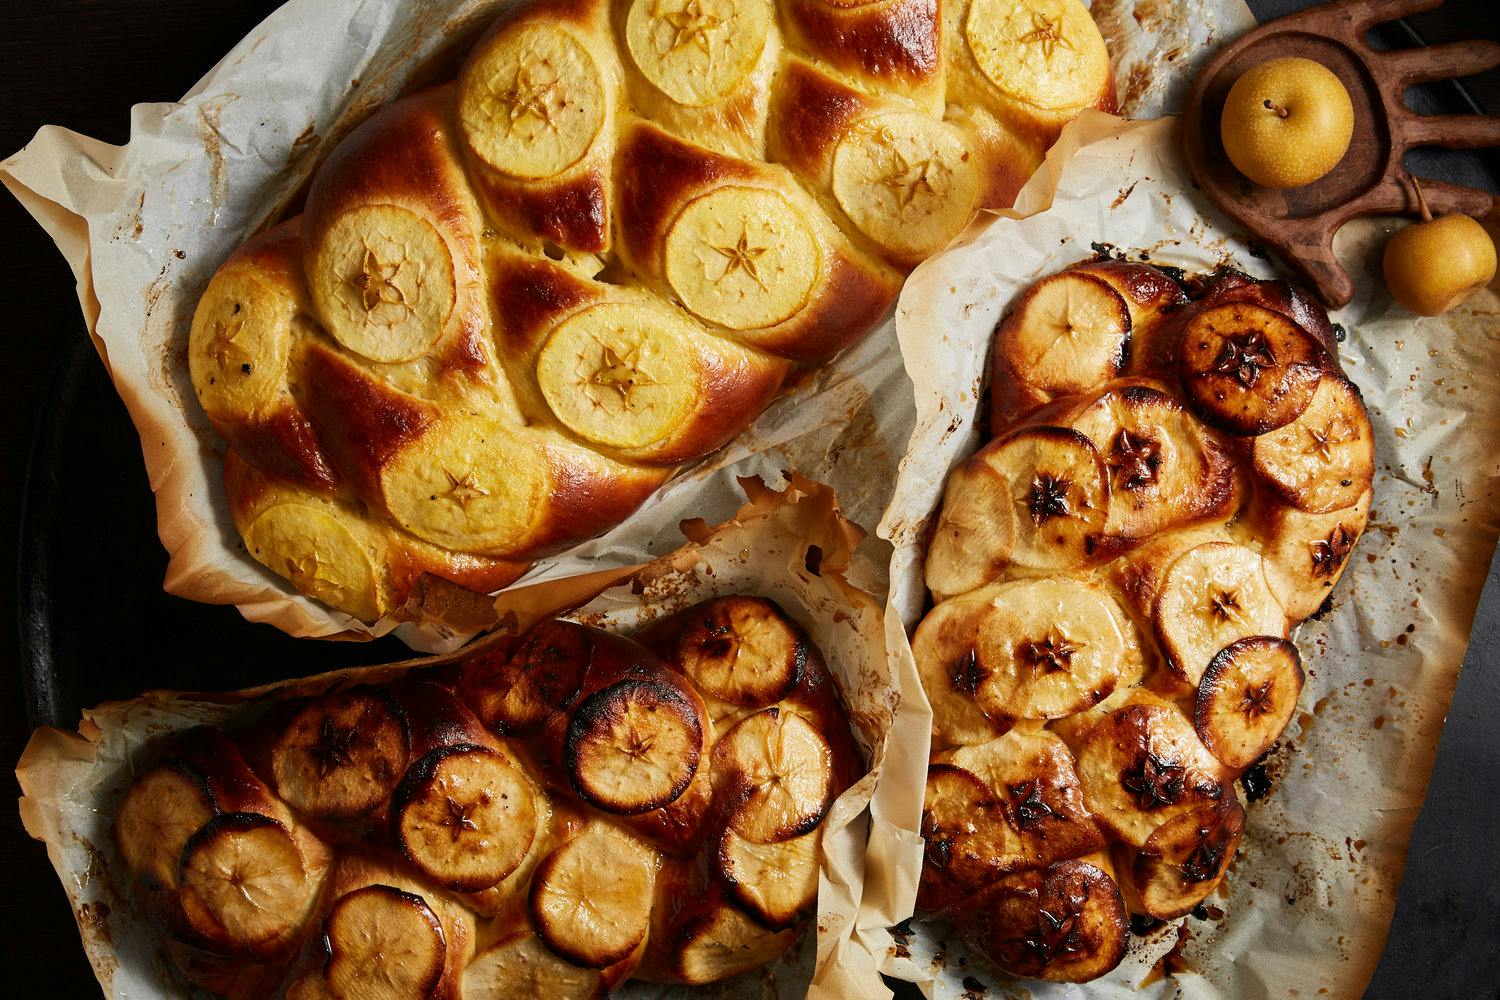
[
  {"x": 792, "y": 546},
  {"x": 1307, "y": 904},
  {"x": 1310, "y": 899},
  {"x": 145, "y": 225}
]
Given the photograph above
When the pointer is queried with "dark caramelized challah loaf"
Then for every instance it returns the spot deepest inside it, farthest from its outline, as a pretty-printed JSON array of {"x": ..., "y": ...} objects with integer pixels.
[
  {"x": 1172, "y": 487},
  {"x": 515, "y": 303},
  {"x": 547, "y": 817}
]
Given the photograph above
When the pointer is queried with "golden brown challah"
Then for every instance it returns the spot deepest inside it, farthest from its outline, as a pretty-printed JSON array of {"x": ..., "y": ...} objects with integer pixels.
[
  {"x": 547, "y": 817},
  {"x": 515, "y": 303},
  {"x": 1172, "y": 486}
]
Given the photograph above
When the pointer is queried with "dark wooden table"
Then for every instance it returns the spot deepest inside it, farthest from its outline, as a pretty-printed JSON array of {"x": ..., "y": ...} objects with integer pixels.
[{"x": 83, "y": 63}]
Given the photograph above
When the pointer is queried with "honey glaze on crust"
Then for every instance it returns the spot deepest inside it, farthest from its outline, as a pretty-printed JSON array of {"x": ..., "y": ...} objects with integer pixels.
[
  {"x": 517, "y": 302},
  {"x": 1173, "y": 485},
  {"x": 546, "y": 817}
]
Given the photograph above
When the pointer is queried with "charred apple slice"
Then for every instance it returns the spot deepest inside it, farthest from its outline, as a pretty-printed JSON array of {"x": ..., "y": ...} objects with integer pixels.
[
  {"x": 384, "y": 943},
  {"x": 951, "y": 673},
  {"x": 1064, "y": 923},
  {"x": 244, "y": 883},
  {"x": 341, "y": 756},
  {"x": 1325, "y": 459},
  {"x": 591, "y": 900},
  {"x": 723, "y": 942},
  {"x": 635, "y": 745},
  {"x": 1248, "y": 369},
  {"x": 1247, "y": 697},
  {"x": 520, "y": 967},
  {"x": 774, "y": 769},
  {"x": 777, "y": 884},
  {"x": 465, "y": 816},
  {"x": 968, "y": 841},
  {"x": 1166, "y": 469},
  {"x": 515, "y": 691},
  {"x": 1184, "y": 859},
  {"x": 1068, "y": 334},
  {"x": 1048, "y": 648},
  {"x": 1143, "y": 764},
  {"x": 1035, "y": 782},
  {"x": 1212, "y": 595},
  {"x": 742, "y": 650},
  {"x": 166, "y": 805},
  {"x": 199, "y": 774}
]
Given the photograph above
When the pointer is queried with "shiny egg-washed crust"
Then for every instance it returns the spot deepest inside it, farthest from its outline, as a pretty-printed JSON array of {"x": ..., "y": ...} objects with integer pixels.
[
  {"x": 515, "y": 303},
  {"x": 547, "y": 816},
  {"x": 1172, "y": 486}
]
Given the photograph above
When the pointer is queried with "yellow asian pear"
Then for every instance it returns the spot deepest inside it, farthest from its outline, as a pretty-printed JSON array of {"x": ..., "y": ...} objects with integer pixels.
[
  {"x": 1286, "y": 122},
  {"x": 1433, "y": 265}
]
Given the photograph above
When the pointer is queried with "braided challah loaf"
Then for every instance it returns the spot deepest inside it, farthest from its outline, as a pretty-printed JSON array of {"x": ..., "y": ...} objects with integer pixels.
[
  {"x": 515, "y": 303},
  {"x": 548, "y": 817},
  {"x": 1172, "y": 487}
]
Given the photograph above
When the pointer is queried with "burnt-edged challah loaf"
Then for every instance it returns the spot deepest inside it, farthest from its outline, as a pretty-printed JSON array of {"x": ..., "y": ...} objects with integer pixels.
[
  {"x": 546, "y": 817},
  {"x": 516, "y": 302},
  {"x": 1172, "y": 486}
]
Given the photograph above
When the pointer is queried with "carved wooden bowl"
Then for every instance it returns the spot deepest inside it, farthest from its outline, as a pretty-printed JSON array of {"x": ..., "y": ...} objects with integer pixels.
[{"x": 1300, "y": 223}]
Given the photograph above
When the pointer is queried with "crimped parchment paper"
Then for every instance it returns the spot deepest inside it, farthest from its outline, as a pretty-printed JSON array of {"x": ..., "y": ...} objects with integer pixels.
[
  {"x": 1307, "y": 905},
  {"x": 145, "y": 225},
  {"x": 791, "y": 546}
]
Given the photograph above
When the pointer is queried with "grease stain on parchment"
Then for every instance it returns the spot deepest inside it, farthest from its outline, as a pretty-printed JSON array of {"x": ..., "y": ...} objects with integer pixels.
[{"x": 211, "y": 135}]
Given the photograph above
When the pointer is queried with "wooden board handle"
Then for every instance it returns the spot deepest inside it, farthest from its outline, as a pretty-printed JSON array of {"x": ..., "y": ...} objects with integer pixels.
[{"x": 1300, "y": 223}]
